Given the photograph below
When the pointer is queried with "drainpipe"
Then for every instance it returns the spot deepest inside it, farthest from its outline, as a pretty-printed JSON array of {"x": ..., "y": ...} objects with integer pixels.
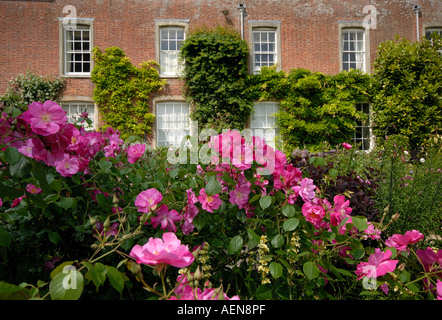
[
  {"x": 241, "y": 9},
  {"x": 417, "y": 9}
]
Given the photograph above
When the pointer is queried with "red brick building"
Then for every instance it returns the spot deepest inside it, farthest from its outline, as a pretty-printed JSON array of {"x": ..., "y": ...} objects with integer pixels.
[{"x": 55, "y": 37}]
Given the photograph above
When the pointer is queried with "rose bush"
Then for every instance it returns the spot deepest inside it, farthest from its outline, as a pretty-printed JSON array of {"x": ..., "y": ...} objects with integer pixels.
[{"x": 113, "y": 217}]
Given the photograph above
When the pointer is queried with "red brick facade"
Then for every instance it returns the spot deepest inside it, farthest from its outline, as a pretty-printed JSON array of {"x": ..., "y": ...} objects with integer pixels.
[{"x": 309, "y": 30}]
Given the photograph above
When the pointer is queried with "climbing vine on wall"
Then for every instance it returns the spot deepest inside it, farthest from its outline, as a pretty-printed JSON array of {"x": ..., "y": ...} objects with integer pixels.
[
  {"x": 122, "y": 91},
  {"x": 215, "y": 74}
]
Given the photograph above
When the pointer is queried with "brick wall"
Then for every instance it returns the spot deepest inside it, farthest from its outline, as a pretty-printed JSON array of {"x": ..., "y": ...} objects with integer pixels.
[{"x": 29, "y": 35}]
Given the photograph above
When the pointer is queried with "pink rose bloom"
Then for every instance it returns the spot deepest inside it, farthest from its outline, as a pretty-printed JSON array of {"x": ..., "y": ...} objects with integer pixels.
[
  {"x": 148, "y": 199},
  {"x": 68, "y": 166},
  {"x": 134, "y": 152},
  {"x": 378, "y": 264},
  {"x": 340, "y": 211},
  {"x": 168, "y": 250},
  {"x": 190, "y": 212},
  {"x": 346, "y": 145},
  {"x": 45, "y": 118},
  {"x": 372, "y": 232},
  {"x": 209, "y": 203},
  {"x": 400, "y": 242},
  {"x": 33, "y": 189},
  {"x": 240, "y": 196},
  {"x": 166, "y": 218},
  {"x": 430, "y": 259},
  {"x": 306, "y": 190},
  {"x": 439, "y": 289},
  {"x": 313, "y": 213}
]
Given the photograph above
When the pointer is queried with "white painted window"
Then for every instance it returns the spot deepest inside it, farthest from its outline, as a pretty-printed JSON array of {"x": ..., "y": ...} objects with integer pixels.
[
  {"x": 171, "y": 41},
  {"x": 263, "y": 122},
  {"x": 430, "y": 32},
  {"x": 264, "y": 48},
  {"x": 362, "y": 134},
  {"x": 74, "y": 111},
  {"x": 172, "y": 123},
  {"x": 353, "y": 49},
  {"x": 77, "y": 50}
]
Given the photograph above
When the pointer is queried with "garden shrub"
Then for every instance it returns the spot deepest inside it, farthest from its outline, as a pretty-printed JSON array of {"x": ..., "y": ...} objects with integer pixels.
[
  {"x": 215, "y": 78},
  {"x": 29, "y": 87},
  {"x": 122, "y": 91},
  {"x": 406, "y": 91},
  {"x": 98, "y": 212},
  {"x": 321, "y": 108}
]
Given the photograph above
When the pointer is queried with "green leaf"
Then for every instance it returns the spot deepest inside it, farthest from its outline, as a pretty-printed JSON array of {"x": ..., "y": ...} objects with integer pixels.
[
  {"x": 20, "y": 169},
  {"x": 105, "y": 165},
  {"x": 235, "y": 244},
  {"x": 213, "y": 187},
  {"x": 12, "y": 156},
  {"x": 12, "y": 292},
  {"x": 5, "y": 238},
  {"x": 174, "y": 172},
  {"x": 333, "y": 173},
  {"x": 288, "y": 210},
  {"x": 264, "y": 292},
  {"x": 253, "y": 238},
  {"x": 290, "y": 224},
  {"x": 116, "y": 279},
  {"x": 275, "y": 270},
  {"x": 67, "y": 285},
  {"x": 311, "y": 270},
  {"x": 265, "y": 202},
  {"x": 54, "y": 237},
  {"x": 67, "y": 202},
  {"x": 96, "y": 272},
  {"x": 358, "y": 253},
  {"x": 360, "y": 223},
  {"x": 277, "y": 241},
  {"x": 58, "y": 269}
]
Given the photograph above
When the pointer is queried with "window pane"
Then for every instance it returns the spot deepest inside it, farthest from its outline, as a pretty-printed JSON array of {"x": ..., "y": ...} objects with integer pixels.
[{"x": 172, "y": 123}]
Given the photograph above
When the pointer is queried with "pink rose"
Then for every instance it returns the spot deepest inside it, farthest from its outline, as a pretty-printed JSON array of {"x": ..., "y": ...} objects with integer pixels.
[
  {"x": 134, "y": 152},
  {"x": 148, "y": 199},
  {"x": 346, "y": 145},
  {"x": 168, "y": 250},
  {"x": 400, "y": 242},
  {"x": 209, "y": 203},
  {"x": 45, "y": 118},
  {"x": 313, "y": 213},
  {"x": 378, "y": 264}
]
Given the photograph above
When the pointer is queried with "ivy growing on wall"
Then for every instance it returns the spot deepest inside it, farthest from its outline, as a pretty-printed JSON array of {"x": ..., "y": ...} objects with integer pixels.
[
  {"x": 315, "y": 108},
  {"x": 215, "y": 74},
  {"x": 122, "y": 91}
]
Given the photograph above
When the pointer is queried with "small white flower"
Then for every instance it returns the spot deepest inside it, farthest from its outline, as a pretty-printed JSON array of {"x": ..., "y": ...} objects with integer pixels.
[
  {"x": 406, "y": 153},
  {"x": 422, "y": 160}
]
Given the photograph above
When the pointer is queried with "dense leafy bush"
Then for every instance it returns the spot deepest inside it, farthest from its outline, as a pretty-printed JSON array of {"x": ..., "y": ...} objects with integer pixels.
[
  {"x": 98, "y": 213},
  {"x": 122, "y": 91},
  {"x": 29, "y": 87},
  {"x": 407, "y": 90},
  {"x": 215, "y": 74}
]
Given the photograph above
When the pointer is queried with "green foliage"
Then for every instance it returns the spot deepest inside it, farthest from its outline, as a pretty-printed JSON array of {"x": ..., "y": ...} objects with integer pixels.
[
  {"x": 122, "y": 91},
  {"x": 215, "y": 74},
  {"x": 29, "y": 87},
  {"x": 318, "y": 108},
  {"x": 407, "y": 90}
]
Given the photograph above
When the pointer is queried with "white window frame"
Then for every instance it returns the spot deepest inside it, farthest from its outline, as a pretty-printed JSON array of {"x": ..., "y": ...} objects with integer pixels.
[
  {"x": 346, "y": 27},
  {"x": 270, "y": 109},
  {"x": 364, "y": 129},
  {"x": 353, "y": 45},
  {"x": 172, "y": 25},
  {"x": 176, "y": 126},
  {"x": 80, "y": 26},
  {"x": 75, "y": 105},
  {"x": 429, "y": 30},
  {"x": 264, "y": 27}
]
